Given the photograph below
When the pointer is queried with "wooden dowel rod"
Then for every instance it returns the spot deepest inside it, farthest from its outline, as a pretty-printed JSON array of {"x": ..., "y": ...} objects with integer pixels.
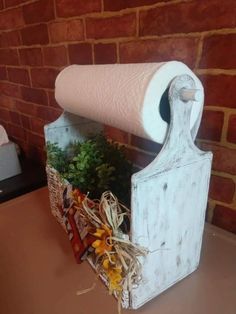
[{"x": 190, "y": 94}]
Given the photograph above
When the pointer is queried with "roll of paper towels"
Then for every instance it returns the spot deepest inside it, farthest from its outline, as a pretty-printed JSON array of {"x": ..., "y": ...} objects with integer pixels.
[
  {"x": 3, "y": 136},
  {"x": 125, "y": 96}
]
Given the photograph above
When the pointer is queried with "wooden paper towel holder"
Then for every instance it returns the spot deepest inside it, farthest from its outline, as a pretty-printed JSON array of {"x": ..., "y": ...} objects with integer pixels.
[{"x": 168, "y": 197}]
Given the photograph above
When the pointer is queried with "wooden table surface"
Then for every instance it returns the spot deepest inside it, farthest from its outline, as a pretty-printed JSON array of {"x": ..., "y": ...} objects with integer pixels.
[{"x": 38, "y": 273}]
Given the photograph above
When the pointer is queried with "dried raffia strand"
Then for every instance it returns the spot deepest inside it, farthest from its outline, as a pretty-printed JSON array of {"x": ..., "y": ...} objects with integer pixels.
[
  {"x": 109, "y": 254},
  {"x": 110, "y": 204},
  {"x": 111, "y": 214},
  {"x": 108, "y": 214},
  {"x": 121, "y": 258},
  {"x": 90, "y": 212},
  {"x": 84, "y": 291},
  {"x": 80, "y": 292},
  {"x": 119, "y": 303}
]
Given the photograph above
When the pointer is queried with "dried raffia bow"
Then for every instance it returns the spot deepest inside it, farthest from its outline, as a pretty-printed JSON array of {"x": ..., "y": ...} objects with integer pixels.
[{"x": 116, "y": 257}]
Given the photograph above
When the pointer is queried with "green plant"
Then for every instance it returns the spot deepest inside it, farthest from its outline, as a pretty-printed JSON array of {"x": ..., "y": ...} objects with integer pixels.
[
  {"x": 56, "y": 157},
  {"x": 95, "y": 166}
]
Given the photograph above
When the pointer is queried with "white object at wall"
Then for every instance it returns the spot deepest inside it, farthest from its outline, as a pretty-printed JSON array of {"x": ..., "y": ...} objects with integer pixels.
[
  {"x": 3, "y": 136},
  {"x": 9, "y": 162}
]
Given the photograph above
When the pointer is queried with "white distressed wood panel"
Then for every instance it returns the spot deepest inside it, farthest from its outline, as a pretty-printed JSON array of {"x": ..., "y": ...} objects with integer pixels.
[
  {"x": 69, "y": 128},
  {"x": 169, "y": 199},
  {"x": 170, "y": 225}
]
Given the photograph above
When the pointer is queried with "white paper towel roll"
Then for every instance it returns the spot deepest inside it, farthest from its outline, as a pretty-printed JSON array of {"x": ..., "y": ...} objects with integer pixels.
[{"x": 126, "y": 96}]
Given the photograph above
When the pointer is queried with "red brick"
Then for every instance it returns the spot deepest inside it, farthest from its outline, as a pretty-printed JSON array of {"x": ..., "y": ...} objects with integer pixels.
[
  {"x": 16, "y": 131},
  {"x": 4, "y": 124},
  {"x": 219, "y": 51},
  {"x": 42, "y": 113},
  {"x": 3, "y": 73},
  {"x": 231, "y": 134},
  {"x": 211, "y": 125},
  {"x": 219, "y": 90},
  {"x": 10, "y": 3},
  {"x": 29, "y": 151},
  {"x": 26, "y": 108},
  {"x": 35, "y": 153},
  {"x": 225, "y": 217},
  {"x": 55, "y": 56},
  {"x": 7, "y": 102},
  {"x": 66, "y": 31},
  {"x": 9, "y": 89},
  {"x": 163, "y": 49},
  {"x": 68, "y": 8},
  {"x": 36, "y": 140},
  {"x": 9, "y": 57},
  {"x": 42, "y": 157},
  {"x": 124, "y": 4},
  {"x": 223, "y": 157},
  {"x": 10, "y": 39},
  {"x": 145, "y": 144},
  {"x": 105, "y": 53},
  {"x": 18, "y": 75},
  {"x": 44, "y": 77},
  {"x": 11, "y": 19},
  {"x": 25, "y": 121},
  {"x": 31, "y": 56},
  {"x": 48, "y": 114},
  {"x": 37, "y": 125},
  {"x": 39, "y": 11},
  {"x": 221, "y": 189},
  {"x": 139, "y": 158},
  {"x": 51, "y": 100},
  {"x": 185, "y": 17},
  {"x": 33, "y": 35},
  {"x": 116, "y": 134},
  {"x": 34, "y": 95},
  {"x": 4, "y": 114},
  {"x": 15, "y": 117},
  {"x": 1, "y": 4},
  {"x": 23, "y": 146},
  {"x": 80, "y": 53},
  {"x": 109, "y": 27}
]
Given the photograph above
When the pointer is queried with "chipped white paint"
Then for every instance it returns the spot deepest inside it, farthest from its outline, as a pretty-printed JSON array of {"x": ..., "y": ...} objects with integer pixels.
[
  {"x": 69, "y": 128},
  {"x": 169, "y": 196},
  {"x": 169, "y": 199}
]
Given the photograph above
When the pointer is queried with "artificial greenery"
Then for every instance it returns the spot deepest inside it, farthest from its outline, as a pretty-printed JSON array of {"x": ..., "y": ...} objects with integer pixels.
[
  {"x": 56, "y": 157},
  {"x": 93, "y": 166}
]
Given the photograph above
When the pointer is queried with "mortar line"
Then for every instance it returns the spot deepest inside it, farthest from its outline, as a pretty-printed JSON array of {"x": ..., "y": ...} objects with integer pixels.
[
  {"x": 93, "y": 53},
  {"x": 137, "y": 23},
  {"x": 199, "y": 52},
  {"x": 225, "y": 127},
  {"x": 118, "y": 52},
  {"x": 102, "y": 6}
]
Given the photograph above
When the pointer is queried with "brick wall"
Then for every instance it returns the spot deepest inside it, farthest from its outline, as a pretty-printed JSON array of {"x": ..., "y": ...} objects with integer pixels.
[{"x": 39, "y": 38}]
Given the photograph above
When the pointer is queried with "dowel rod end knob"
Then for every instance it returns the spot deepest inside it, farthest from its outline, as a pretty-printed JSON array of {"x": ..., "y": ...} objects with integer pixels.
[{"x": 191, "y": 94}]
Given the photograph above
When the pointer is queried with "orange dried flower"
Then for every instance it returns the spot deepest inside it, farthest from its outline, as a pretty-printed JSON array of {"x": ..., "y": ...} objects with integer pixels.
[
  {"x": 103, "y": 244},
  {"x": 113, "y": 272},
  {"x": 78, "y": 196}
]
